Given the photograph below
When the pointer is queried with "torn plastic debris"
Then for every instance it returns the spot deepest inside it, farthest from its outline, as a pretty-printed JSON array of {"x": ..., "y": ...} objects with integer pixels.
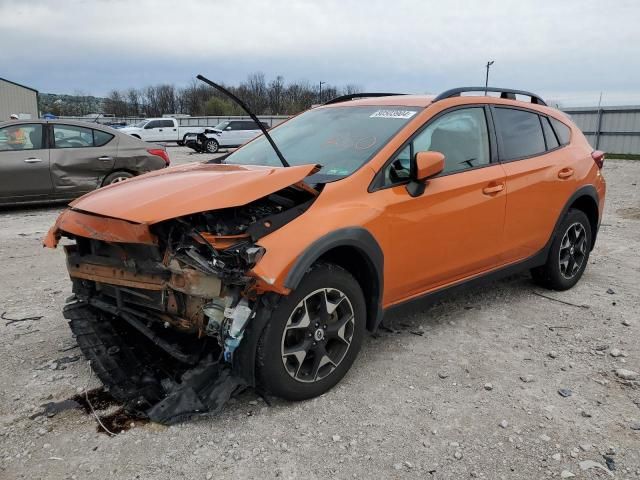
[{"x": 166, "y": 394}]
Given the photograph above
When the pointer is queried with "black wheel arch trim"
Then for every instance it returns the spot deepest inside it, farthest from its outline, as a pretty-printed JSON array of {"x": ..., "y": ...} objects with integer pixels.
[
  {"x": 584, "y": 191},
  {"x": 355, "y": 237}
]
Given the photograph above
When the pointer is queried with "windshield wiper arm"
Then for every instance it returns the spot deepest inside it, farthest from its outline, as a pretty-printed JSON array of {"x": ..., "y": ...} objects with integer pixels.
[{"x": 253, "y": 117}]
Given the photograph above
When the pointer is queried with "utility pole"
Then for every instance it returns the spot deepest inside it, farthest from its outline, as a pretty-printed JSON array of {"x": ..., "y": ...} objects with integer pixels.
[
  {"x": 320, "y": 94},
  {"x": 486, "y": 80}
]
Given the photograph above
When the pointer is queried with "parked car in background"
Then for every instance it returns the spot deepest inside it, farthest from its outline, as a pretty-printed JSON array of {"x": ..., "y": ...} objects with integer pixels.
[
  {"x": 161, "y": 130},
  {"x": 43, "y": 160},
  {"x": 230, "y": 133}
]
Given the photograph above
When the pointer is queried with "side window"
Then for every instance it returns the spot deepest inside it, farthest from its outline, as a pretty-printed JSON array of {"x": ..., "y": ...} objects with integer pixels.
[
  {"x": 21, "y": 137},
  {"x": 234, "y": 126},
  {"x": 167, "y": 123},
  {"x": 520, "y": 132},
  {"x": 563, "y": 132},
  {"x": 549, "y": 135},
  {"x": 101, "y": 138},
  {"x": 70, "y": 136},
  {"x": 461, "y": 136},
  {"x": 153, "y": 124}
]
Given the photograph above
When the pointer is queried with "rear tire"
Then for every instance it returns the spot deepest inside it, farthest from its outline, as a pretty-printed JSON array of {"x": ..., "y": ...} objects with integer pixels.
[
  {"x": 313, "y": 335},
  {"x": 116, "y": 177},
  {"x": 568, "y": 255},
  {"x": 183, "y": 141}
]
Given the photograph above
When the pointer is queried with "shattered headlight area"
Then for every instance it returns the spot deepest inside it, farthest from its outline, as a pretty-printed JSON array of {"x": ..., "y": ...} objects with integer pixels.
[{"x": 162, "y": 324}]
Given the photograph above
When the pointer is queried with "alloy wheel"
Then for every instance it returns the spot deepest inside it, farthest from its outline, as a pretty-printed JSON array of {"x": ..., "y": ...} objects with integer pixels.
[
  {"x": 212, "y": 146},
  {"x": 317, "y": 335},
  {"x": 118, "y": 180},
  {"x": 573, "y": 250}
]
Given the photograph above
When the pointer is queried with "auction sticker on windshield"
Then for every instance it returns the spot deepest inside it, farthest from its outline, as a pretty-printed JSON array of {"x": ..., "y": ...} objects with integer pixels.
[{"x": 392, "y": 114}]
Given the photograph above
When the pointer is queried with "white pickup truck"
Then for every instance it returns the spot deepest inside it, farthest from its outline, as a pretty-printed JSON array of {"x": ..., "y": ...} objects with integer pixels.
[{"x": 161, "y": 130}]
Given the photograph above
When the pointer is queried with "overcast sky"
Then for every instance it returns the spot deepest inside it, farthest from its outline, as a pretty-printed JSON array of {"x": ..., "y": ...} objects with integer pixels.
[{"x": 568, "y": 50}]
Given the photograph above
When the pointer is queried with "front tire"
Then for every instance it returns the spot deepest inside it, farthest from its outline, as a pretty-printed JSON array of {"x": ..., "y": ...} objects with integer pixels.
[
  {"x": 211, "y": 146},
  {"x": 313, "y": 336},
  {"x": 568, "y": 255}
]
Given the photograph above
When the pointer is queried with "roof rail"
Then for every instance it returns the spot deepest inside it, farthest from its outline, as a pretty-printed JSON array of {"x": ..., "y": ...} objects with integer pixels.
[
  {"x": 508, "y": 93},
  {"x": 352, "y": 96}
]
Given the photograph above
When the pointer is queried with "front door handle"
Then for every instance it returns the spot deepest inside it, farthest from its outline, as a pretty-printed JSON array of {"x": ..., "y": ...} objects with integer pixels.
[
  {"x": 493, "y": 189},
  {"x": 32, "y": 160},
  {"x": 105, "y": 159},
  {"x": 565, "y": 173}
]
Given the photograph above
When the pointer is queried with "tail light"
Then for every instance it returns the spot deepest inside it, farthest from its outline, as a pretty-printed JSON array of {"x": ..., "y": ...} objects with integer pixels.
[
  {"x": 160, "y": 153},
  {"x": 598, "y": 157}
]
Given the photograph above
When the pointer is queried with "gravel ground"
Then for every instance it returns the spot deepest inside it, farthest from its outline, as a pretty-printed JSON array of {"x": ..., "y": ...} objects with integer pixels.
[{"x": 466, "y": 388}]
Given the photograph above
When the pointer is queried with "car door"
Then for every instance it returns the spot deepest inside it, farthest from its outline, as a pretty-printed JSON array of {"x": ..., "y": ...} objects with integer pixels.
[
  {"x": 80, "y": 158},
  {"x": 233, "y": 133},
  {"x": 250, "y": 131},
  {"x": 168, "y": 131},
  {"x": 454, "y": 228},
  {"x": 24, "y": 163},
  {"x": 153, "y": 131},
  {"x": 535, "y": 164}
]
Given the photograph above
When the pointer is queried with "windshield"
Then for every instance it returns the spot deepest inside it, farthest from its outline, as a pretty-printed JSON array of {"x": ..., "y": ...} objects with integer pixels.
[
  {"x": 141, "y": 124},
  {"x": 340, "y": 139},
  {"x": 221, "y": 125}
]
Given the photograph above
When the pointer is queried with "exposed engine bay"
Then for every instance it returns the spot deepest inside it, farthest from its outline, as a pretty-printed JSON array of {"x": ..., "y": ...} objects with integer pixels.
[{"x": 163, "y": 324}]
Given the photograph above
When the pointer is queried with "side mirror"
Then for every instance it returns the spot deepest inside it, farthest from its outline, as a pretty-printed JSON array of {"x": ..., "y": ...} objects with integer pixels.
[
  {"x": 425, "y": 166},
  {"x": 428, "y": 164},
  {"x": 228, "y": 128}
]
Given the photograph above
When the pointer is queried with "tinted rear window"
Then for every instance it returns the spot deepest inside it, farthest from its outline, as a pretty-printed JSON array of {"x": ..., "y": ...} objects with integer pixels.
[
  {"x": 101, "y": 138},
  {"x": 552, "y": 141},
  {"x": 520, "y": 133},
  {"x": 562, "y": 131}
]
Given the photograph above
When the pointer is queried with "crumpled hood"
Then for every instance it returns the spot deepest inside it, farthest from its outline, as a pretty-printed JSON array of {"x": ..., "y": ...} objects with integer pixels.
[{"x": 183, "y": 190}]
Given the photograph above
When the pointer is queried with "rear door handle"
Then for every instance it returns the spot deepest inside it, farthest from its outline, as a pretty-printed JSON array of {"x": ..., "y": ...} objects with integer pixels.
[
  {"x": 105, "y": 159},
  {"x": 565, "y": 173},
  {"x": 493, "y": 189},
  {"x": 32, "y": 160}
]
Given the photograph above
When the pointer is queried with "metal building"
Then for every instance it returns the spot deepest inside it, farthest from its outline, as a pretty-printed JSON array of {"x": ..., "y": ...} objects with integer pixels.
[
  {"x": 18, "y": 99},
  {"x": 611, "y": 129}
]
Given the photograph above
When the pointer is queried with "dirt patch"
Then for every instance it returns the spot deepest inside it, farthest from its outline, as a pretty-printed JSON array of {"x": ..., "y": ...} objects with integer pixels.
[
  {"x": 631, "y": 213},
  {"x": 467, "y": 388}
]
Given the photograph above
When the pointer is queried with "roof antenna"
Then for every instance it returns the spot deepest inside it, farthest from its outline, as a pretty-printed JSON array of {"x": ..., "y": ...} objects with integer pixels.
[{"x": 253, "y": 117}]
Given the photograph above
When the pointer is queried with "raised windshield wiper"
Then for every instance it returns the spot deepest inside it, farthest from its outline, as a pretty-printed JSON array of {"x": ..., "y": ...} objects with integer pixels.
[{"x": 253, "y": 117}]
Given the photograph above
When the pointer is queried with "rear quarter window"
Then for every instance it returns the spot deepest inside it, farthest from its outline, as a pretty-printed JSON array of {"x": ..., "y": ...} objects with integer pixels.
[
  {"x": 562, "y": 131},
  {"x": 549, "y": 135},
  {"x": 101, "y": 138},
  {"x": 520, "y": 133}
]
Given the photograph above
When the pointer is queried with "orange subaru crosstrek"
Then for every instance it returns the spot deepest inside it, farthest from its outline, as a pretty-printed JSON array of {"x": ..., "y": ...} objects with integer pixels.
[{"x": 265, "y": 267}]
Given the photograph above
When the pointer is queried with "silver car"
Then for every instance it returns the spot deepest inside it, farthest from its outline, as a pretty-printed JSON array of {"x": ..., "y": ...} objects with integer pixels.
[
  {"x": 230, "y": 133},
  {"x": 55, "y": 160}
]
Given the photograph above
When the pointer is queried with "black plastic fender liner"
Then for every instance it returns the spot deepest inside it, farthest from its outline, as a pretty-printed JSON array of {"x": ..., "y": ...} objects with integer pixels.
[
  {"x": 206, "y": 391},
  {"x": 244, "y": 358},
  {"x": 584, "y": 191},
  {"x": 366, "y": 244}
]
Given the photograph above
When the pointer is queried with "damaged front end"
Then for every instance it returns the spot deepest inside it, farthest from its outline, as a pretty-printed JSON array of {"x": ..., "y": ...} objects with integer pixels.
[{"x": 163, "y": 311}]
